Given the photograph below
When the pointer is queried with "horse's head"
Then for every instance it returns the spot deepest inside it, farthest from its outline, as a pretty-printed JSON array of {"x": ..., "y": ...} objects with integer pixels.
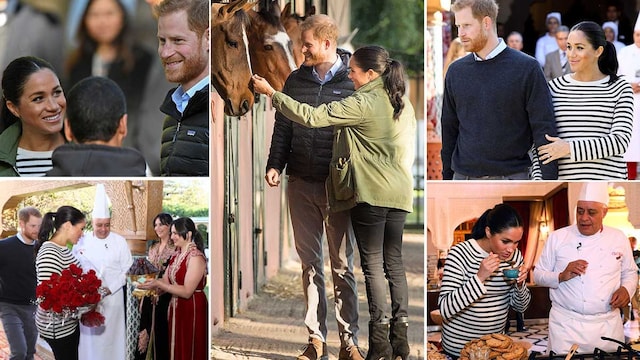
[
  {"x": 230, "y": 62},
  {"x": 291, "y": 22},
  {"x": 270, "y": 46}
]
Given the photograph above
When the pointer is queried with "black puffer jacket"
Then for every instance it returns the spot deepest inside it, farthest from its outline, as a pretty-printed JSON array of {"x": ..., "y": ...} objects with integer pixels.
[
  {"x": 185, "y": 137},
  {"x": 306, "y": 152},
  {"x": 96, "y": 160}
]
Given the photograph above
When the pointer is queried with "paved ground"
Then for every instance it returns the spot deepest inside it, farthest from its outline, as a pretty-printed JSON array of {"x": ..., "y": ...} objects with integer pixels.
[{"x": 272, "y": 327}]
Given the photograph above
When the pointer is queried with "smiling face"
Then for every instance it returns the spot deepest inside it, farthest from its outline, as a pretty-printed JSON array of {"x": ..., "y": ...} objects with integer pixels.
[
  {"x": 104, "y": 21},
  {"x": 315, "y": 51},
  {"x": 184, "y": 53},
  {"x": 505, "y": 242},
  {"x": 473, "y": 33},
  {"x": 178, "y": 240},
  {"x": 589, "y": 215},
  {"x": 358, "y": 75},
  {"x": 42, "y": 103},
  {"x": 582, "y": 56},
  {"x": 101, "y": 228},
  {"x": 162, "y": 230}
]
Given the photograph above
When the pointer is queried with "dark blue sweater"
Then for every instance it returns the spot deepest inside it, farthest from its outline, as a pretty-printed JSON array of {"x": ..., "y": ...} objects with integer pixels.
[
  {"x": 493, "y": 112},
  {"x": 17, "y": 272}
]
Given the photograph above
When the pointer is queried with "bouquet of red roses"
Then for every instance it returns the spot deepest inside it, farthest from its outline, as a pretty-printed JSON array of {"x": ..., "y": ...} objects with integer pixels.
[{"x": 72, "y": 295}]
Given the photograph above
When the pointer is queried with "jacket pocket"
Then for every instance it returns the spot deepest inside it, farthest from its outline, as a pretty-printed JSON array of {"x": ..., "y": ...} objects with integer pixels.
[{"x": 342, "y": 179}]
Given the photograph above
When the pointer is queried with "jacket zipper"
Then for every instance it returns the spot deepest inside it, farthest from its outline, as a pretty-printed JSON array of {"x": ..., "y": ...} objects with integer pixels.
[{"x": 175, "y": 135}]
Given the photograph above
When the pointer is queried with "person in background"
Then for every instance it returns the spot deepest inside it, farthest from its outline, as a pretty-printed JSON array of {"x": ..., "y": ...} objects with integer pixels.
[
  {"x": 475, "y": 296},
  {"x": 95, "y": 126},
  {"x": 456, "y": 51},
  {"x": 59, "y": 230},
  {"x": 629, "y": 60},
  {"x": 33, "y": 106},
  {"x": 593, "y": 108},
  {"x": 108, "y": 254},
  {"x": 18, "y": 286},
  {"x": 611, "y": 34},
  {"x": 370, "y": 175},
  {"x": 306, "y": 153},
  {"x": 615, "y": 15},
  {"x": 556, "y": 63},
  {"x": 106, "y": 48},
  {"x": 153, "y": 317},
  {"x": 517, "y": 109},
  {"x": 185, "y": 279},
  {"x": 514, "y": 41},
  {"x": 590, "y": 272},
  {"x": 183, "y": 35},
  {"x": 547, "y": 42}
]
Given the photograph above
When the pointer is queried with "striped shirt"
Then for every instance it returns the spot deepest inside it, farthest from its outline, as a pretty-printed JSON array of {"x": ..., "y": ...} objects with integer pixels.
[
  {"x": 596, "y": 118},
  {"x": 471, "y": 308},
  {"x": 52, "y": 259},
  {"x": 33, "y": 163}
]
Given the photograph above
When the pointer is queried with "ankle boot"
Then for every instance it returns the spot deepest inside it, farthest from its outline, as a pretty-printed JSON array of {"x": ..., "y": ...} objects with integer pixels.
[
  {"x": 379, "y": 346},
  {"x": 398, "y": 338}
]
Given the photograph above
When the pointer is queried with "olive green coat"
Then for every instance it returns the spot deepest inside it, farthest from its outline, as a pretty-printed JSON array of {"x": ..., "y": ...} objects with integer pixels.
[
  {"x": 9, "y": 139},
  {"x": 372, "y": 152}
]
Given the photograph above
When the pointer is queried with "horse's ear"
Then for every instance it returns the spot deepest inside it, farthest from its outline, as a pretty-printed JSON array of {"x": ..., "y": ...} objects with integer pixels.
[
  {"x": 274, "y": 8},
  {"x": 286, "y": 11},
  {"x": 311, "y": 10},
  {"x": 235, "y": 6},
  {"x": 248, "y": 6}
]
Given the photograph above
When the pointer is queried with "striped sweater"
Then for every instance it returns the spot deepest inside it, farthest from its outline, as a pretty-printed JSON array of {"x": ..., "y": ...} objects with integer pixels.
[
  {"x": 596, "y": 118},
  {"x": 52, "y": 259},
  {"x": 470, "y": 308}
]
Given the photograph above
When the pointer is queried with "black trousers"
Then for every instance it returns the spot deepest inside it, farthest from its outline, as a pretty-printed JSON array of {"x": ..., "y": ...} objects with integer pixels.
[
  {"x": 378, "y": 233},
  {"x": 65, "y": 348}
]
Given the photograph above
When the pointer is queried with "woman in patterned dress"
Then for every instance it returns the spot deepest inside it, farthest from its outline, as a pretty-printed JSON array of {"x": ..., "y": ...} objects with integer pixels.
[
  {"x": 154, "y": 311},
  {"x": 185, "y": 279}
]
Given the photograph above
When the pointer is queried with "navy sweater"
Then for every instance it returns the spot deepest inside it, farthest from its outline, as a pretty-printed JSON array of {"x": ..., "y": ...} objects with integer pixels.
[
  {"x": 17, "y": 272},
  {"x": 494, "y": 111}
]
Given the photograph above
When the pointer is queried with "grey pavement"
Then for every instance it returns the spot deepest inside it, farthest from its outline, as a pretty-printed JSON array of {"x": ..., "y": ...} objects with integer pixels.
[{"x": 272, "y": 327}]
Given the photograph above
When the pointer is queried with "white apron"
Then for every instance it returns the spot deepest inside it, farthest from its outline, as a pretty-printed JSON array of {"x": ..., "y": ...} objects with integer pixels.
[{"x": 567, "y": 327}]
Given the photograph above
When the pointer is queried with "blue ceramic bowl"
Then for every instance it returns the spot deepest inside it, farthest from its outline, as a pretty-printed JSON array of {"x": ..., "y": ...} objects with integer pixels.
[{"x": 511, "y": 273}]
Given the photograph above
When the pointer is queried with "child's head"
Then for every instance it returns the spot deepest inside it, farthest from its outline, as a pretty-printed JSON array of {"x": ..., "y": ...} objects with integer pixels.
[{"x": 96, "y": 112}]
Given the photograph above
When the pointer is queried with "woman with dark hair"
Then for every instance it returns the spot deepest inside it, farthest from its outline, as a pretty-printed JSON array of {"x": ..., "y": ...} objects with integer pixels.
[
  {"x": 593, "y": 108},
  {"x": 185, "y": 279},
  {"x": 153, "y": 315},
  {"x": 33, "y": 110},
  {"x": 65, "y": 226},
  {"x": 370, "y": 174},
  {"x": 475, "y": 295},
  {"x": 106, "y": 48}
]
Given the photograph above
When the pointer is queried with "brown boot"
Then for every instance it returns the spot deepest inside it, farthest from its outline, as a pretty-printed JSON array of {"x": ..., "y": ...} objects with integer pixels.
[
  {"x": 350, "y": 352},
  {"x": 314, "y": 350}
]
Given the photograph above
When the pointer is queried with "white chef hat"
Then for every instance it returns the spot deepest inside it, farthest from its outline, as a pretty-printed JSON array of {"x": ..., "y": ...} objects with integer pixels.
[
  {"x": 595, "y": 191},
  {"x": 637, "y": 27},
  {"x": 101, "y": 204},
  {"x": 613, "y": 26},
  {"x": 555, "y": 15}
]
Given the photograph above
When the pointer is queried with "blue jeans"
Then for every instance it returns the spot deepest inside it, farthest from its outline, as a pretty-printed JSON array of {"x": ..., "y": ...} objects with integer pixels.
[
  {"x": 19, "y": 325},
  {"x": 379, "y": 236}
]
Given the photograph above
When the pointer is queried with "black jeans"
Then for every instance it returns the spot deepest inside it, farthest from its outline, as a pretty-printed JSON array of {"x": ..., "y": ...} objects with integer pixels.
[
  {"x": 378, "y": 233},
  {"x": 65, "y": 348}
]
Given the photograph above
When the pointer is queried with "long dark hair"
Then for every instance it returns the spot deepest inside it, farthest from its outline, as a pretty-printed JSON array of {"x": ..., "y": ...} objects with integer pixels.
[
  {"x": 498, "y": 219},
  {"x": 87, "y": 46},
  {"x": 608, "y": 60},
  {"x": 183, "y": 226},
  {"x": 14, "y": 78},
  {"x": 52, "y": 221},
  {"x": 377, "y": 59},
  {"x": 165, "y": 219}
]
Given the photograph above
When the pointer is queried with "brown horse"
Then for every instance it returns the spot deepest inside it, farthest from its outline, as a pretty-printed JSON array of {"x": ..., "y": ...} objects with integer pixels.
[
  {"x": 230, "y": 61},
  {"x": 291, "y": 22},
  {"x": 270, "y": 46}
]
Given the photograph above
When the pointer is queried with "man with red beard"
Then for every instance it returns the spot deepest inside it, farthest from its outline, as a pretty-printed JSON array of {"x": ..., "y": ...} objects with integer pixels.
[
  {"x": 496, "y": 105},
  {"x": 18, "y": 285},
  {"x": 183, "y": 36},
  {"x": 591, "y": 274}
]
